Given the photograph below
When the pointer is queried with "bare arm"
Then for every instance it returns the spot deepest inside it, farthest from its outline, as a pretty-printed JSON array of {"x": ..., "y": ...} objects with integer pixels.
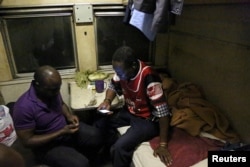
[
  {"x": 66, "y": 111},
  {"x": 164, "y": 127},
  {"x": 71, "y": 118},
  {"x": 162, "y": 149},
  {"x": 30, "y": 139},
  {"x": 106, "y": 104}
]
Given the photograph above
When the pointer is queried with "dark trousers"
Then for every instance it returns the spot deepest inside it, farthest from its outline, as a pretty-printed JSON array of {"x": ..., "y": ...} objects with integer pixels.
[
  {"x": 71, "y": 150},
  {"x": 124, "y": 146}
]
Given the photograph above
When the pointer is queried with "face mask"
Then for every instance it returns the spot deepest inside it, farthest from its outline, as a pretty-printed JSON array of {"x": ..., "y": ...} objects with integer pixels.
[{"x": 121, "y": 73}]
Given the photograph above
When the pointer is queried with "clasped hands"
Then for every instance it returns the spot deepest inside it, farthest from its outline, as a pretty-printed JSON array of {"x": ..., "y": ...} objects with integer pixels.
[{"x": 73, "y": 125}]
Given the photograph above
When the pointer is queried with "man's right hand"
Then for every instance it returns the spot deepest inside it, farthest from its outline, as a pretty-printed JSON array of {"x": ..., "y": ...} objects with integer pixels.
[
  {"x": 105, "y": 105},
  {"x": 71, "y": 128}
]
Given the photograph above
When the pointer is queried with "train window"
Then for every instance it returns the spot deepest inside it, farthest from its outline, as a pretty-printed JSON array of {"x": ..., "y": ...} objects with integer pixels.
[
  {"x": 112, "y": 32},
  {"x": 36, "y": 39}
]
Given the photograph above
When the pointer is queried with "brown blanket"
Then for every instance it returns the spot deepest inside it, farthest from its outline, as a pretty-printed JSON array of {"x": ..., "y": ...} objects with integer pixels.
[
  {"x": 199, "y": 115},
  {"x": 193, "y": 113}
]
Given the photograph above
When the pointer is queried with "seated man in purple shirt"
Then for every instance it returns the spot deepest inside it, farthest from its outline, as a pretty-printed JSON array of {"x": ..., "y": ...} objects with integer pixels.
[{"x": 44, "y": 123}]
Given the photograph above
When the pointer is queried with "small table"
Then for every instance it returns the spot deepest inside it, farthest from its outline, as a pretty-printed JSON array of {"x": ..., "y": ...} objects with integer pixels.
[{"x": 80, "y": 98}]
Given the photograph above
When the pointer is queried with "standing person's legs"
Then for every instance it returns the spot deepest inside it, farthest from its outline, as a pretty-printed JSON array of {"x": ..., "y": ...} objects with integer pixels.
[{"x": 141, "y": 130}]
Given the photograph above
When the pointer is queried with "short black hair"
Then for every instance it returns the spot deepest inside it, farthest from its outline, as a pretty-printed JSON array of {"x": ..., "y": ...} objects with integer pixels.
[{"x": 126, "y": 55}]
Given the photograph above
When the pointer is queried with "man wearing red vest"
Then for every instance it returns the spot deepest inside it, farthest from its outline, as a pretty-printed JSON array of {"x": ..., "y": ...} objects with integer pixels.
[{"x": 145, "y": 109}]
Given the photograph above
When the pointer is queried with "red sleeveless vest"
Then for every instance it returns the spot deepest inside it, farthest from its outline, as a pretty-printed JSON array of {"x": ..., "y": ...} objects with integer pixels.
[{"x": 135, "y": 92}]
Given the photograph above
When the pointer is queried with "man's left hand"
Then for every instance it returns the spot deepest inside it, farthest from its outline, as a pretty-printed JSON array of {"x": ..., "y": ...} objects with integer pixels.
[{"x": 163, "y": 154}]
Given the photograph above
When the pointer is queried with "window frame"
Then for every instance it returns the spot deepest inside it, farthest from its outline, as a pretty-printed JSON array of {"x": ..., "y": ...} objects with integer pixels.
[{"x": 31, "y": 12}]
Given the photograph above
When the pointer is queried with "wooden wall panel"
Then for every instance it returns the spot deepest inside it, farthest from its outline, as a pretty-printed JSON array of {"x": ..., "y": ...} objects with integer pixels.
[
  {"x": 227, "y": 23},
  {"x": 209, "y": 45}
]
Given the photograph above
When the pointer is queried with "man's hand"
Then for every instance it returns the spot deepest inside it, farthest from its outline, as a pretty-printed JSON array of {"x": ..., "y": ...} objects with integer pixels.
[
  {"x": 73, "y": 119},
  {"x": 105, "y": 105},
  {"x": 163, "y": 154},
  {"x": 69, "y": 129}
]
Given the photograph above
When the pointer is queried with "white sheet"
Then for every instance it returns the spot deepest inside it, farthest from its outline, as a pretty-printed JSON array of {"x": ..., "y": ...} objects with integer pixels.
[{"x": 143, "y": 155}]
